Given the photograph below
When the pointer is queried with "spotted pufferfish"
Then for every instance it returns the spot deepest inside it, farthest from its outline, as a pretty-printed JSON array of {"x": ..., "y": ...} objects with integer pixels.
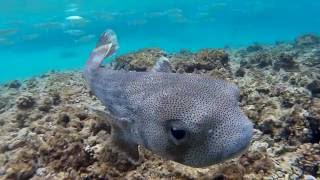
[{"x": 191, "y": 119}]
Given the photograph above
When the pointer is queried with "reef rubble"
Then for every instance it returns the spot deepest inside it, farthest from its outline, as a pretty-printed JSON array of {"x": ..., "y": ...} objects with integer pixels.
[{"x": 47, "y": 130}]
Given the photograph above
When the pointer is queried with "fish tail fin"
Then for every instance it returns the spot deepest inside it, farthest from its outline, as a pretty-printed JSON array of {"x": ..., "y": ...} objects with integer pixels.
[{"x": 106, "y": 46}]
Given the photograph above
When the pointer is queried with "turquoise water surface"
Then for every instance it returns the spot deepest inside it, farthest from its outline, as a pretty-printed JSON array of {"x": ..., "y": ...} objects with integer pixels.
[{"x": 37, "y": 36}]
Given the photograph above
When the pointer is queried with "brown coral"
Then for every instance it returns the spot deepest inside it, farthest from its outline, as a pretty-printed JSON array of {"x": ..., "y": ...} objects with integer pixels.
[
  {"x": 260, "y": 59},
  {"x": 23, "y": 167},
  {"x": 14, "y": 84},
  {"x": 314, "y": 87},
  {"x": 25, "y": 102},
  {"x": 307, "y": 40},
  {"x": 141, "y": 60},
  {"x": 309, "y": 158},
  {"x": 214, "y": 62},
  {"x": 286, "y": 62}
]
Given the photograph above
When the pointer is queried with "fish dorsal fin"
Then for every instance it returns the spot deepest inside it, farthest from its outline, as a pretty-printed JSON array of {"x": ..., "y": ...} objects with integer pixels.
[{"x": 162, "y": 65}]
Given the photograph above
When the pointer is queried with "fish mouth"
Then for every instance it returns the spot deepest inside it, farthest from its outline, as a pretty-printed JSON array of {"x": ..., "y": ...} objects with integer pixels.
[
  {"x": 242, "y": 143},
  {"x": 236, "y": 145},
  {"x": 242, "y": 150}
]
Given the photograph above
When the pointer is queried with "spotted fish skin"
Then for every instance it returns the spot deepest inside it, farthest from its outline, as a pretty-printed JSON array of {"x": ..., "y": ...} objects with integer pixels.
[{"x": 191, "y": 119}]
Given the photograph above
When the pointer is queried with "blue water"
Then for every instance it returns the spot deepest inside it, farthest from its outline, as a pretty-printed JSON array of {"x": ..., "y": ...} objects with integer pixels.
[{"x": 36, "y": 37}]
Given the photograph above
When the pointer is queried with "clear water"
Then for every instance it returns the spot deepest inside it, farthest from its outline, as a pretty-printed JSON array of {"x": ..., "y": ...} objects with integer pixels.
[{"x": 36, "y": 36}]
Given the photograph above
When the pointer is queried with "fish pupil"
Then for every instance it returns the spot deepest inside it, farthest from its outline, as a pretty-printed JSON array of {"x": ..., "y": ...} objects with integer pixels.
[{"x": 178, "y": 133}]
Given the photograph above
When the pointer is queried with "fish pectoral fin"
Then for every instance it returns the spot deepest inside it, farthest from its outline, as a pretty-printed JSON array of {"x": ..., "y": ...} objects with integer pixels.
[
  {"x": 123, "y": 122},
  {"x": 101, "y": 113},
  {"x": 125, "y": 144},
  {"x": 119, "y": 136}
]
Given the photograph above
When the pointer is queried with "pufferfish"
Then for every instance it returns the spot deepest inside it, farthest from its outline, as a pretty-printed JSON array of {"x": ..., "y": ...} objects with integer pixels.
[{"x": 191, "y": 119}]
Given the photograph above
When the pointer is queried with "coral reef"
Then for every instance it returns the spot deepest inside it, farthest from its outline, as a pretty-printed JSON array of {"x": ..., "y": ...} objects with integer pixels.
[
  {"x": 206, "y": 61},
  {"x": 48, "y": 130},
  {"x": 14, "y": 84},
  {"x": 307, "y": 40},
  {"x": 141, "y": 60},
  {"x": 25, "y": 102},
  {"x": 314, "y": 87},
  {"x": 309, "y": 158},
  {"x": 286, "y": 62},
  {"x": 258, "y": 59}
]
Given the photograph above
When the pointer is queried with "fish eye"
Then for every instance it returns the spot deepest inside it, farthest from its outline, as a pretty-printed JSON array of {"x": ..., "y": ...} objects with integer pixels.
[{"x": 178, "y": 134}]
